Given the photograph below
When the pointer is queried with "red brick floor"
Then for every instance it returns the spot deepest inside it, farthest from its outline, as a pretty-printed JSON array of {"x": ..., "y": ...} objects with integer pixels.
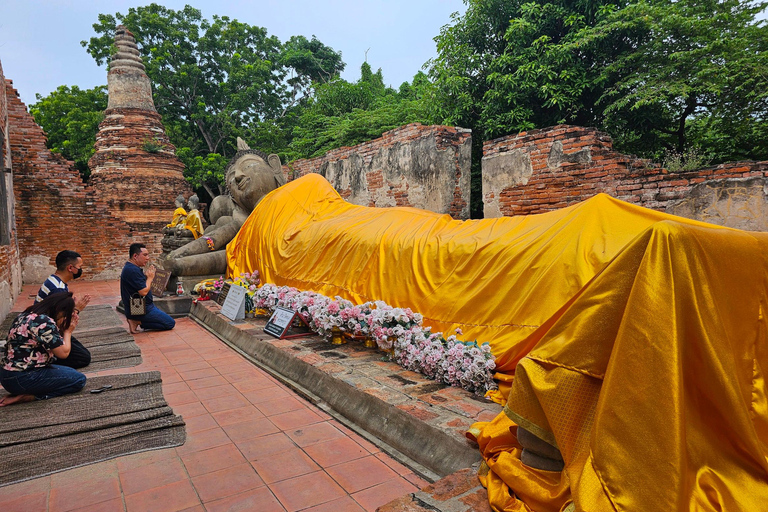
[{"x": 252, "y": 444}]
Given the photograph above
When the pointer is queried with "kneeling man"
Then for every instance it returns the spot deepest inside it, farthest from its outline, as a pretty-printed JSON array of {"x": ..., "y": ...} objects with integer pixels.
[
  {"x": 69, "y": 266},
  {"x": 132, "y": 281}
]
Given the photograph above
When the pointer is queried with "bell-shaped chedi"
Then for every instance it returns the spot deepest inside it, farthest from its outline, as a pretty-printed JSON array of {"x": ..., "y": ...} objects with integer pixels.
[{"x": 135, "y": 168}]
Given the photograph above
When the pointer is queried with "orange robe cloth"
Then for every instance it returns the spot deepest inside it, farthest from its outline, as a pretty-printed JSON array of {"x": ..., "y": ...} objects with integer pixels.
[{"x": 640, "y": 336}]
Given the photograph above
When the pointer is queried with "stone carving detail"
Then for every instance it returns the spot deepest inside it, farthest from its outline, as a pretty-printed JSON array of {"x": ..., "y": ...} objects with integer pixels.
[{"x": 740, "y": 203}]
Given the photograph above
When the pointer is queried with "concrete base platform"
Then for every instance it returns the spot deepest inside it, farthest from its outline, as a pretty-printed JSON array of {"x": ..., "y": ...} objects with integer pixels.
[
  {"x": 459, "y": 492},
  {"x": 417, "y": 421}
]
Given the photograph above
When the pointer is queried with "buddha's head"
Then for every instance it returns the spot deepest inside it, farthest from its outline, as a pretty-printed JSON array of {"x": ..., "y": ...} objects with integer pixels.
[
  {"x": 180, "y": 201},
  {"x": 193, "y": 203},
  {"x": 251, "y": 175}
]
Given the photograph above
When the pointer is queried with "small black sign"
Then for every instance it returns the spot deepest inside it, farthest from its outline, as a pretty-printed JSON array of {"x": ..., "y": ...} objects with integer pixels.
[
  {"x": 281, "y": 322},
  {"x": 223, "y": 294}
]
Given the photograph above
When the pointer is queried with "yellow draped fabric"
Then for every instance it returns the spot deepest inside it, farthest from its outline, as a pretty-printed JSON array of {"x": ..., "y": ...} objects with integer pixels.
[
  {"x": 650, "y": 381},
  {"x": 178, "y": 216},
  {"x": 194, "y": 223},
  {"x": 640, "y": 336}
]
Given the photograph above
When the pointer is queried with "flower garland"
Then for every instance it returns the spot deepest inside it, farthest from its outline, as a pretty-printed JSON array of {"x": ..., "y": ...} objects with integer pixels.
[{"x": 457, "y": 363}]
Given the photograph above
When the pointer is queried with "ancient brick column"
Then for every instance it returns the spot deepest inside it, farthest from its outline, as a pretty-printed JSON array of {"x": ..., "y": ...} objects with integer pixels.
[{"x": 135, "y": 169}]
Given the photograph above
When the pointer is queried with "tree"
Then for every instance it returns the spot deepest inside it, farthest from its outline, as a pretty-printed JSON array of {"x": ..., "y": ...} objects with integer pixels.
[
  {"x": 309, "y": 62},
  {"x": 694, "y": 68},
  {"x": 70, "y": 117},
  {"x": 342, "y": 113},
  {"x": 212, "y": 79},
  {"x": 498, "y": 71},
  {"x": 653, "y": 73}
]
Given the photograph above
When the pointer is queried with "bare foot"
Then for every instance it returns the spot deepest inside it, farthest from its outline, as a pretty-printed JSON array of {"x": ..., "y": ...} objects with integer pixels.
[
  {"x": 15, "y": 399},
  {"x": 133, "y": 326}
]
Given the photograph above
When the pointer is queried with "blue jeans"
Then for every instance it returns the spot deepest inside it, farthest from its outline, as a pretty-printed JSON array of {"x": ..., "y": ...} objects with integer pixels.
[
  {"x": 156, "y": 319},
  {"x": 47, "y": 382}
]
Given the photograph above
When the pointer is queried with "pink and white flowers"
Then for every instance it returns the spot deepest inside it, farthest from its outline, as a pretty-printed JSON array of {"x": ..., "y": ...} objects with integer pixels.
[{"x": 452, "y": 361}]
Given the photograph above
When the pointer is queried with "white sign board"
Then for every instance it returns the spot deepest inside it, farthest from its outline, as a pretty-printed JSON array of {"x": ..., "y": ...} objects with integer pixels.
[{"x": 234, "y": 304}]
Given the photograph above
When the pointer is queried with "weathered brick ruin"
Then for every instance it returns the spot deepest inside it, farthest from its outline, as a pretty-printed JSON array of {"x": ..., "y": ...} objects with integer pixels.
[
  {"x": 55, "y": 210},
  {"x": 45, "y": 205},
  {"x": 543, "y": 170},
  {"x": 10, "y": 263},
  {"x": 135, "y": 169},
  {"x": 415, "y": 165}
]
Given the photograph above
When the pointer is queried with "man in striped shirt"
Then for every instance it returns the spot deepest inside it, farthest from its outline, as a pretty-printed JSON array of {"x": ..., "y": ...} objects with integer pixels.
[{"x": 69, "y": 266}]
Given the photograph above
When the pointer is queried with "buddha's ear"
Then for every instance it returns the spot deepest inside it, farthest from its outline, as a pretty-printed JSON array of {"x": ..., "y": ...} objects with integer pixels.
[{"x": 277, "y": 168}]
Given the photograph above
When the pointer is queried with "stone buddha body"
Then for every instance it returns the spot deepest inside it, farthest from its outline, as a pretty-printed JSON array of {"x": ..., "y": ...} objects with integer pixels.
[{"x": 250, "y": 175}]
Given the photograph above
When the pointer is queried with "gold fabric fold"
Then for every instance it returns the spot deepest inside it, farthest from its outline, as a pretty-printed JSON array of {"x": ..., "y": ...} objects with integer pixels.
[
  {"x": 178, "y": 216},
  {"x": 633, "y": 340},
  {"x": 651, "y": 381},
  {"x": 497, "y": 280}
]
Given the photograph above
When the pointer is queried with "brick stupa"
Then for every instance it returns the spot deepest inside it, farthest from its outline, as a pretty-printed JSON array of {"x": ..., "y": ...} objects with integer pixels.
[{"x": 134, "y": 168}]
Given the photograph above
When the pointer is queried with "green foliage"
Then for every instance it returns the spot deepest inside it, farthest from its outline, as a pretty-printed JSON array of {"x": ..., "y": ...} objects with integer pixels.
[
  {"x": 681, "y": 80},
  {"x": 208, "y": 169},
  {"x": 691, "y": 160},
  {"x": 70, "y": 117},
  {"x": 344, "y": 114},
  {"x": 655, "y": 74},
  {"x": 691, "y": 65},
  {"x": 152, "y": 145},
  {"x": 309, "y": 61}
]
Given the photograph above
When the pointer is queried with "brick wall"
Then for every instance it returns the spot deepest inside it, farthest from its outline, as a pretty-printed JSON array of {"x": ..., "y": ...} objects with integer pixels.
[
  {"x": 10, "y": 263},
  {"x": 547, "y": 169},
  {"x": 415, "y": 165},
  {"x": 55, "y": 210}
]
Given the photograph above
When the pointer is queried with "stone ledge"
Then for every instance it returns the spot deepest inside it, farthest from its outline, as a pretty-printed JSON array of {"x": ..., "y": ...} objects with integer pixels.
[
  {"x": 458, "y": 492},
  {"x": 418, "y": 421}
]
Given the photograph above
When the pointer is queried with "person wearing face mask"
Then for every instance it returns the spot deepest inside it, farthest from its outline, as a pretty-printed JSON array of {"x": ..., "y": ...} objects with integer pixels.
[
  {"x": 69, "y": 266},
  {"x": 39, "y": 339}
]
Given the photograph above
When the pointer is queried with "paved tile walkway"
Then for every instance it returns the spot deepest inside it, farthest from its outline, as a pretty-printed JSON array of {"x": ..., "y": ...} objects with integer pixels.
[{"x": 252, "y": 444}]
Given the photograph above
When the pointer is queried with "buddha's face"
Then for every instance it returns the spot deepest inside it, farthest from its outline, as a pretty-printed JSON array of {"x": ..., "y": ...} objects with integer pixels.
[{"x": 250, "y": 179}]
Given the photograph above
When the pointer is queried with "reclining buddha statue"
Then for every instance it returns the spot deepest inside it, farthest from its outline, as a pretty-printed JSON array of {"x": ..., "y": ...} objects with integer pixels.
[{"x": 250, "y": 175}]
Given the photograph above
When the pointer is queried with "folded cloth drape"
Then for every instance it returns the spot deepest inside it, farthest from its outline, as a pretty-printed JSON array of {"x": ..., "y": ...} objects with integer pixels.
[
  {"x": 498, "y": 280},
  {"x": 637, "y": 340},
  {"x": 650, "y": 382}
]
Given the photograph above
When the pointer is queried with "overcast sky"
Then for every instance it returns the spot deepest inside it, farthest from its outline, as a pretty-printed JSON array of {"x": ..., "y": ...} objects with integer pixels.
[{"x": 40, "y": 39}]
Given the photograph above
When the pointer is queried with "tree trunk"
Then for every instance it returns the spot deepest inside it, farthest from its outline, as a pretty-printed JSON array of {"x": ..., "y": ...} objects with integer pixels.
[{"x": 690, "y": 107}]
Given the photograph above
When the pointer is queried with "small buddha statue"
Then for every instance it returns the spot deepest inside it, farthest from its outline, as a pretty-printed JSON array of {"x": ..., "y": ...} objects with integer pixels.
[
  {"x": 179, "y": 216},
  {"x": 193, "y": 223}
]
